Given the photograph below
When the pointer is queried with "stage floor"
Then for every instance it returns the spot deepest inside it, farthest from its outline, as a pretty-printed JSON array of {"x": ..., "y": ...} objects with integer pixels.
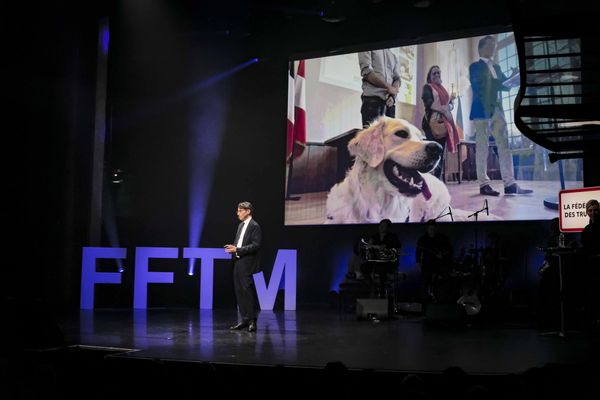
[{"x": 314, "y": 338}]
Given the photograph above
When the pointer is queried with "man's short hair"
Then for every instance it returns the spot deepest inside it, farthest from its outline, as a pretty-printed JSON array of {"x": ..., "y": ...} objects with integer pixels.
[
  {"x": 590, "y": 203},
  {"x": 431, "y": 222},
  {"x": 386, "y": 221},
  {"x": 483, "y": 41},
  {"x": 245, "y": 205}
]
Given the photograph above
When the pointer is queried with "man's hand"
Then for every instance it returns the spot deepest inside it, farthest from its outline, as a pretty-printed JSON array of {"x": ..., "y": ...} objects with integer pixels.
[
  {"x": 229, "y": 248},
  {"x": 393, "y": 90},
  {"x": 390, "y": 101}
]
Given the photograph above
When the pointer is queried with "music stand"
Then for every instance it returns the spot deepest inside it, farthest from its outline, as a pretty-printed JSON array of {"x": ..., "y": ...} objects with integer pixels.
[{"x": 559, "y": 252}]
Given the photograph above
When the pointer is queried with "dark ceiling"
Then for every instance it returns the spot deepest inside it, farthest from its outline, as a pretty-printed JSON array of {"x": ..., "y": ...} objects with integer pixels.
[{"x": 317, "y": 26}]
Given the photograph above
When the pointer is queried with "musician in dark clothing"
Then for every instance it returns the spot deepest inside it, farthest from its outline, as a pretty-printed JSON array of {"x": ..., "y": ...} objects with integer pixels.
[
  {"x": 550, "y": 277},
  {"x": 382, "y": 251},
  {"x": 434, "y": 258},
  {"x": 494, "y": 266},
  {"x": 590, "y": 238}
]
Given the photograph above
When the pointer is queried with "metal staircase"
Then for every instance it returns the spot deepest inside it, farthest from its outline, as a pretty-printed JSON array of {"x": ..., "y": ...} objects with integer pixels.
[{"x": 558, "y": 103}]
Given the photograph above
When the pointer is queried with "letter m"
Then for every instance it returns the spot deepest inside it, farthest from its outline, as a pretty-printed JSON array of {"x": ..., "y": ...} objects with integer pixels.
[{"x": 285, "y": 261}]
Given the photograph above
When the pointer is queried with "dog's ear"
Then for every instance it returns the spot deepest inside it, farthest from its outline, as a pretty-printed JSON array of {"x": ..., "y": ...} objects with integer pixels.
[{"x": 368, "y": 145}]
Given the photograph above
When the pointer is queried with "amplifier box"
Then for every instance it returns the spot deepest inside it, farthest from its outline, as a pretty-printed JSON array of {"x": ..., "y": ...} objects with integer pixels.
[{"x": 372, "y": 308}]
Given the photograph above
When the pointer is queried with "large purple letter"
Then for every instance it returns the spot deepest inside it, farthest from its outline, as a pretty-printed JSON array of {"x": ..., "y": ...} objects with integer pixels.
[
  {"x": 285, "y": 260},
  {"x": 89, "y": 275},
  {"x": 207, "y": 257},
  {"x": 143, "y": 276}
]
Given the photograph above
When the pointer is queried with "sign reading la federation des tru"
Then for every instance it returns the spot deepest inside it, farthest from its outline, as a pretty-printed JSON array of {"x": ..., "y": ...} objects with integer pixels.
[{"x": 573, "y": 217}]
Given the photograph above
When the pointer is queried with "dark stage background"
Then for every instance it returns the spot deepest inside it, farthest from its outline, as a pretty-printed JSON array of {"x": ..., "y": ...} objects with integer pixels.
[{"x": 171, "y": 124}]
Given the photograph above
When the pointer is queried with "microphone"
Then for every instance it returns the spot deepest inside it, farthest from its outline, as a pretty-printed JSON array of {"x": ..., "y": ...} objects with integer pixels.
[
  {"x": 450, "y": 212},
  {"x": 487, "y": 210}
]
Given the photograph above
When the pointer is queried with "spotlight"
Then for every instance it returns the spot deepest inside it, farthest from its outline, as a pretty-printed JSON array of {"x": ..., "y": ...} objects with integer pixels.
[{"x": 117, "y": 176}]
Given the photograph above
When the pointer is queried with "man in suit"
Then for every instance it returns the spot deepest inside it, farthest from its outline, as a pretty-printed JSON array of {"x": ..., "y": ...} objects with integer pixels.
[
  {"x": 488, "y": 118},
  {"x": 244, "y": 253}
]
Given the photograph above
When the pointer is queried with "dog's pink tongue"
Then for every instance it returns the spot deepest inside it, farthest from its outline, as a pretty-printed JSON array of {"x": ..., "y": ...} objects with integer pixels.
[{"x": 425, "y": 190}]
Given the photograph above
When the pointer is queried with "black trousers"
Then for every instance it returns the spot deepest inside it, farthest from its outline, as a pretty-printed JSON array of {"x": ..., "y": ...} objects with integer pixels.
[
  {"x": 373, "y": 108},
  {"x": 245, "y": 292},
  {"x": 437, "y": 171}
]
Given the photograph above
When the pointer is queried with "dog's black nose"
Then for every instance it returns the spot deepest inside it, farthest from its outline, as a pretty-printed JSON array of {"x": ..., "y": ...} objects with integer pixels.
[{"x": 433, "y": 149}]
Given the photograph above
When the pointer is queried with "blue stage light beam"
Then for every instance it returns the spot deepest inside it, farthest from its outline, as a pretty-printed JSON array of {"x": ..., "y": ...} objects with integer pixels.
[
  {"x": 220, "y": 76},
  {"x": 205, "y": 147},
  {"x": 340, "y": 260},
  {"x": 207, "y": 118},
  {"x": 192, "y": 90},
  {"x": 110, "y": 222},
  {"x": 104, "y": 36}
]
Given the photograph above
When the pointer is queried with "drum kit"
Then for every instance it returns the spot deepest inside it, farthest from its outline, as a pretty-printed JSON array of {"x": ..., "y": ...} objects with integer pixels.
[
  {"x": 379, "y": 256},
  {"x": 370, "y": 253},
  {"x": 473, "y": 275},
  {"x": 476, "y": 271}
]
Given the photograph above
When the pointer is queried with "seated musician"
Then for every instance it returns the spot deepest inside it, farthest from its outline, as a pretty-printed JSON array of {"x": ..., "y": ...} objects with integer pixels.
[
  {"x": 381, "y": 256},
  {"x": 434, "y": 259}
]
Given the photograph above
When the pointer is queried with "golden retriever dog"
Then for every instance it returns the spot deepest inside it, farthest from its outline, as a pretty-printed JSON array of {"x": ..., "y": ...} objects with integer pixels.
[{"x": 389, "y": 178}]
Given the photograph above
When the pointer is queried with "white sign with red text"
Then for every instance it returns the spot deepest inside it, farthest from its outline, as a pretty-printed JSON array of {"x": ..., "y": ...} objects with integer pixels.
[{"x": 573, "y": 217}]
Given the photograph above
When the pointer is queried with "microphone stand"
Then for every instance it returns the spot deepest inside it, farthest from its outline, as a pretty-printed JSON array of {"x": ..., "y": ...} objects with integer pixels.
[
  {"x": 443, "y": 215},
  {"x": 476, "y": 215},
  {"x": 559, "y": 252}
]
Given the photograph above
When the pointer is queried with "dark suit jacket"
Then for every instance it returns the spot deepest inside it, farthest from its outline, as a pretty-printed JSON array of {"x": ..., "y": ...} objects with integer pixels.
[
  {"x": 248, "y": 252},
  {"x": 485, "y": 89}
]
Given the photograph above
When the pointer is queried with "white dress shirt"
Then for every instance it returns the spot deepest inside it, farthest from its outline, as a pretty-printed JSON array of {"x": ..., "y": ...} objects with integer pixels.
[
  {"x": 241, "y": 238},
  {"x": 490, "y": 65}
]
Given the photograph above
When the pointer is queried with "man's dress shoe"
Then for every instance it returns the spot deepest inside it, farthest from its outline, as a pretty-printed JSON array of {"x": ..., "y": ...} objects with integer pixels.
[
  {"x": 516, "y": 189},
  {"x": 252, "y": 326},
  {"x": 487, "y": 190},
  {"x": 239, "y": 326}
]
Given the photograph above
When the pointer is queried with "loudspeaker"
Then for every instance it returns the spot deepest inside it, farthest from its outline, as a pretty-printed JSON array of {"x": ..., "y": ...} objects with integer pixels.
[
  {"x": 446, "y": 313},
  {"x": 372, "y": 308}
]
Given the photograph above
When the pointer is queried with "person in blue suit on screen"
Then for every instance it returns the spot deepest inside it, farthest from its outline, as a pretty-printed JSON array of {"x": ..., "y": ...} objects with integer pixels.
[{"x": 487, "y": 81}]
